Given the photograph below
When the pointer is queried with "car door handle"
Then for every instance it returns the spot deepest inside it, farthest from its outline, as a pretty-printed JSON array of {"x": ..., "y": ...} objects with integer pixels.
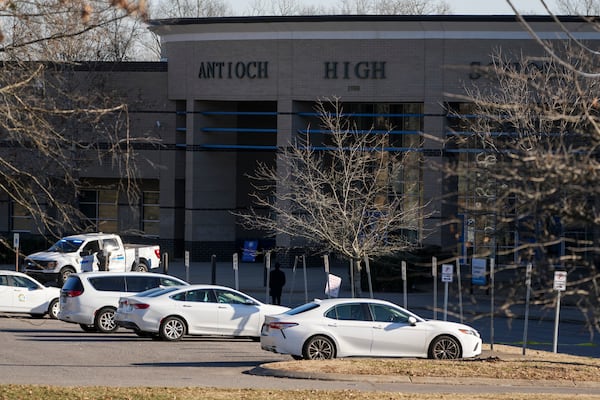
[
  {"x": 187, "y": 306},
  {"x": 223, "y": 307},
  {"x": 332, "y": 325}
]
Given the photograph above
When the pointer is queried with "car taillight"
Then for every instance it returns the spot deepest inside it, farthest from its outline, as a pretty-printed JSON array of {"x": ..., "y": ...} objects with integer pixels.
[
  {"x": 140, "y": 306},
  {"x": 73, "y": 293},
  {"x": 281, "y": 325},
  {"x": 157, "y": 253}
]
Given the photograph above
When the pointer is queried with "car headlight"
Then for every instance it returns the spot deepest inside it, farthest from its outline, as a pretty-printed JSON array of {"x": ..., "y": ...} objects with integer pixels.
[{"x": 469, "y": 332}]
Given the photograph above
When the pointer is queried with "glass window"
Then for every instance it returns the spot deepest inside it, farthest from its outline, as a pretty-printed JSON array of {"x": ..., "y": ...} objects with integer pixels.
[
  {"x": 383, "y": 313},
  {"x": 109, "y": 283},
  {"x": 91, "y": 247},
  {"x": 138, "y": 284},
  {"x": 169, "y": 282},
  {"x": 348, "y": 312},
  {"x": 101, "y": 209},
  {"x": 151, "y": 213},
  {"x": 3, "y": 280},
  {"x": 200, "y": 296},
  {"x": 21, "y": 219},
  {"x": 20, "y": 281},
  {"x": 227, "y": 297}
]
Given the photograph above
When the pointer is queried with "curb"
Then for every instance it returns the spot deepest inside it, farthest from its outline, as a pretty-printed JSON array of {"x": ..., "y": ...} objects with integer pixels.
[{"x": 266, "y": 370}]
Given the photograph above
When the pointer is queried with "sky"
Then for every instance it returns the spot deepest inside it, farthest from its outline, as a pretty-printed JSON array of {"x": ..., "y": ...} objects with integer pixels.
[{"x": 458, "y": 6}]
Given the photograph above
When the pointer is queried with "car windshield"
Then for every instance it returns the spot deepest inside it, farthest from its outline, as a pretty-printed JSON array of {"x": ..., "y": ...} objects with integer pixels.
[{"x": 66, "y": 246}]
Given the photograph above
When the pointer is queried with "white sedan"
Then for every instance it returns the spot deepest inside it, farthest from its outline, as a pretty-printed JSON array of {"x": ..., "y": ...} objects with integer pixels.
[
  {"x": 174, "y": 312},
  {"x": 325, "y": 329},
  {"x": 20, "y": 293}
]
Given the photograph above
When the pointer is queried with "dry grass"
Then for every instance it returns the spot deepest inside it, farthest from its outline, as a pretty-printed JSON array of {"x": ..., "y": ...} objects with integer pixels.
[
  {"x": 19, "y": 392},
  {"x": 505, "y": 362}
]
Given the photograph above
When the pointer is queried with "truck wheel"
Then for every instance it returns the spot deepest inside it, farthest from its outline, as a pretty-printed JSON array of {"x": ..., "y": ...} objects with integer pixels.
[
  {"x": 140, "y": 267},
  {"x": 64, "y": 274}
]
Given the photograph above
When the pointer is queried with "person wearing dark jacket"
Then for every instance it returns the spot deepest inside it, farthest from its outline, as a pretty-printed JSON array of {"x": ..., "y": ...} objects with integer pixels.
[{"x": 276, "y": 284}]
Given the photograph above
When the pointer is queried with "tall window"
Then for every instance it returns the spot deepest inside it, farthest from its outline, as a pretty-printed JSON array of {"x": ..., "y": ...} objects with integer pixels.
[
  {"x": 101, "y": 209},
  {"x": 151, "y": 213},
  {"x": 21, "y": 219}
]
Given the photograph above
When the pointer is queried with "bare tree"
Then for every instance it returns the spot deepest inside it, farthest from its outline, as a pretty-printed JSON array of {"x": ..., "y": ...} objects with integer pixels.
[
  {"x": 190, "y": 9},
  {"x": 535, "y": 180},
  {"x": 395, "y": 7},
  {"x": 579, "y": 7},
  {"x": 286, "y": 7},
  {"x": 390, "y": 7},
  {"x": 346, "y": 193},
  {"x": 70, "y": 30},
  {"x": 54, "y": 122}
]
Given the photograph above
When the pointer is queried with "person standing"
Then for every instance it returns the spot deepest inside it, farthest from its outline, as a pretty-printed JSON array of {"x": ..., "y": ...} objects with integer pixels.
[{"x": 276, "y": 284}]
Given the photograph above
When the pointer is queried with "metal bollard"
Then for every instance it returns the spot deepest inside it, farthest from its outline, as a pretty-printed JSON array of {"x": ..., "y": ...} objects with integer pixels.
[
  {"x": 213, "y": 264},
  {"x": 165, "y": 263}
]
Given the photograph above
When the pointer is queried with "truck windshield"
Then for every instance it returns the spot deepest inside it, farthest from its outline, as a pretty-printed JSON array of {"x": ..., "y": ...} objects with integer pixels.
[{"x": 66, "y": 246}]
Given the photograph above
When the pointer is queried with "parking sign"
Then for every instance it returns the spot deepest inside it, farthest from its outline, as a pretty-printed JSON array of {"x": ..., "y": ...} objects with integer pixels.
[
  {"x": 447, "y": 272},
  {"x": 560, "y": 280}
]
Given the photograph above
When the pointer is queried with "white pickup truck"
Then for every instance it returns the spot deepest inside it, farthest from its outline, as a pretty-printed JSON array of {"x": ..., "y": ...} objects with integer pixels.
[{"x": 95, "y": 251}]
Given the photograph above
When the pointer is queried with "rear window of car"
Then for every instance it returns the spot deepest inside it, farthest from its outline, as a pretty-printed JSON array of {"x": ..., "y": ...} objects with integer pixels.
[
  {"x": 303, "y": 308},
  {"x": 108, "y": 283},
  {"x": 73, "y": 283}
]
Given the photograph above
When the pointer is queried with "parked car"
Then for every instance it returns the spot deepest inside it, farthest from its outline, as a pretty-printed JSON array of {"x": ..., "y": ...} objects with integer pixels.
[
  {"x": 325, "y": 329},
  {"x": 91, "y": 298},
  {"x": 172, "y": 313},
  {"x": 90, "y": 252},
  {"x": 20, "y": 293}
]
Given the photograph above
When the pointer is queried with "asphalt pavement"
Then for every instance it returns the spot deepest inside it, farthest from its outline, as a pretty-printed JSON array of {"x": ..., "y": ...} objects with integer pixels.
[
  {"x": 505, "y": 327},
  {"x": 306, "y": 284}
]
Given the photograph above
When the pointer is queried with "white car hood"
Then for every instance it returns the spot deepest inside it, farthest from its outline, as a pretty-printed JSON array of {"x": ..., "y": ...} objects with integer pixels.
[
  {"x": 48, "y": 255},
  {"x": 444, "y": 325}
]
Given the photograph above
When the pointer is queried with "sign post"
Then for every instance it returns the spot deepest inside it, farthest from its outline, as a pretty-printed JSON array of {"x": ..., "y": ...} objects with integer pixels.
[
  {"x": 447, "y": 272},
  {"x": 235, "y": 271},
  {"x": 404, "y": 283},
  {"x": 267, "y": 274},
  {"x": 326, "y": 262},
  {"x": 459, "y": 280},
  {"x": 187, "y": 265},
  {"x": 560, "y": 285},
  {"x": 16, "y": 246},
  {"x": 434, "y": 274},
  {"x": 527, "y": 297}
]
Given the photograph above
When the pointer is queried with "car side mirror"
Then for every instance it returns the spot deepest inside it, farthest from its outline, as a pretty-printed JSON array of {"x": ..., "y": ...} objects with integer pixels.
[{"x": 412, "y": 321}]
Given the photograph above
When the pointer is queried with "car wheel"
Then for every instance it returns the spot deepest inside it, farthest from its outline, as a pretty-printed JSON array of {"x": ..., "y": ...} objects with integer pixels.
[
  {"x": 105, "y": 320},
  {"x": 88, "y": 328},
  {"x": 64, "y": 274},
  {"x": 445, "y": 348},
  {"x": 140, "y": 267},
  {"x": 53, "y": 309},
  {"x": 172, "y": 329},
  {"x": 319, "y": 348}
]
